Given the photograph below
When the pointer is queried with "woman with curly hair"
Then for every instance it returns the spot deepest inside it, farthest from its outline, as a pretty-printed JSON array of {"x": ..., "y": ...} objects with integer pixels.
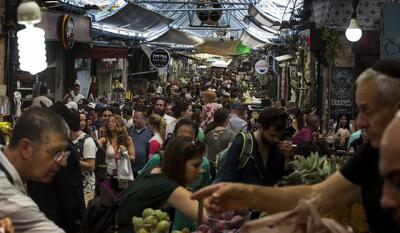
[{"x": 115, "y": 142}]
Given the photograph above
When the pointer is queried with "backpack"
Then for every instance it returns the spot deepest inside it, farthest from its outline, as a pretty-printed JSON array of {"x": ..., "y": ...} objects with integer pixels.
[
  {"x": 245, "y": 153},
  {"x": 102, "y": 210},
  {"x": 100, "y": 168}
]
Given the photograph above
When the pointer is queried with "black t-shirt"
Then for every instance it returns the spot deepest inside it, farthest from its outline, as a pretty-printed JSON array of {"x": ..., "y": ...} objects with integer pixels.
[{"x": 362, "y": 170}]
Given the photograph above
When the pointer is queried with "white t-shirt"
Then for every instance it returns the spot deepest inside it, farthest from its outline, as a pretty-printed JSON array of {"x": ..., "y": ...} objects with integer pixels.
[
  {"x": 170, "y": 128},
  {"x": 89, "y": 152},
  {"x": 168, "y": 119}
]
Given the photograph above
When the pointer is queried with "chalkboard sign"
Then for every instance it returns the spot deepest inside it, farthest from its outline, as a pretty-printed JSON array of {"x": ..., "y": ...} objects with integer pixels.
[
  {"x": 159, "y": 58},
  {"x": 342, "y": 92}
]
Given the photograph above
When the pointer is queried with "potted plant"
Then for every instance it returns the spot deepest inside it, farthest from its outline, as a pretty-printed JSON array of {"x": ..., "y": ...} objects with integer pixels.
[{"x": 314, "y": 169}]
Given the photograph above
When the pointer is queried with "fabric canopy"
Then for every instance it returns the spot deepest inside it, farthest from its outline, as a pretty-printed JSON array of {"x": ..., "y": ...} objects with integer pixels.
[
  {"x": 251, "y": 41},
  {"x": 173, "y": 36},
  {"x": 135, "y": 18},
  {"x": 261, "y": 17},
  {"x": 218, "y": 47}
]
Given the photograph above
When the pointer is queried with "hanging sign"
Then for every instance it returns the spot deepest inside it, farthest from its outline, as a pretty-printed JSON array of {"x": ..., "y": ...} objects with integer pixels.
[
  {"x": 342, "y": 92},
  {"x": 261, "y": 67},
  {"x": 159, "y": 58}
]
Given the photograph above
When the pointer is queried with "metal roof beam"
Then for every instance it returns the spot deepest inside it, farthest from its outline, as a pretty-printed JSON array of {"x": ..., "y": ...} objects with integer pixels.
[
  {"x": 202, "y": 9},
  {"x": 207, "y": 28},
  {"x": 191, "y": 2}
]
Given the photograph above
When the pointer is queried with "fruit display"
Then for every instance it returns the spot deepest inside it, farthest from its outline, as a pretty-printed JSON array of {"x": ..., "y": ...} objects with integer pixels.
[
  {"x": 226, "y": 222},
  {"x": 152, "y": 221},
  {"x": 5, "y": 127},
  {"x": 184, "y": 230}
]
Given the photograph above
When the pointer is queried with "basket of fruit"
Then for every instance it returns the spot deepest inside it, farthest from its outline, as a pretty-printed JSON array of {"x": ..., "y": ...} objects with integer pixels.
[
  {"x": 152, "y": 221},
  {"x": 226, "y": 222}
]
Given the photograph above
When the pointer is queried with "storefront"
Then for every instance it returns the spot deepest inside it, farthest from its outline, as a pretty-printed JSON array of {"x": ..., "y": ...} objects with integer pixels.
[{"x": 70, "y": 31}]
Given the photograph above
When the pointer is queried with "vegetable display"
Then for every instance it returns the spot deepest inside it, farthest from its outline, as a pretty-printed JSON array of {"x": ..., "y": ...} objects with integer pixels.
[{"x": 152, "y": 221}]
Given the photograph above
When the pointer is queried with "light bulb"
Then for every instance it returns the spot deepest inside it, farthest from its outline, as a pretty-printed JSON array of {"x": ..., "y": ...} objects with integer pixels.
[
  {"x": 32, "y": 49},
  {"x": 353, "y": 32}
]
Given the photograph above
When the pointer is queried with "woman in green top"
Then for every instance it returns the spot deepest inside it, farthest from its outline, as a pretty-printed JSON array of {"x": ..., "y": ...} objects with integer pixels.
[
  {"x": 163, "y": 187},
  {"x": 185, "y": 127}
]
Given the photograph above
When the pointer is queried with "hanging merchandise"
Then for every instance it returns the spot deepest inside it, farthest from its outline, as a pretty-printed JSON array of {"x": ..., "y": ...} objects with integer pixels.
[
  {"x": 5, "y": 108},
  {"x": 17, "y": 103}
]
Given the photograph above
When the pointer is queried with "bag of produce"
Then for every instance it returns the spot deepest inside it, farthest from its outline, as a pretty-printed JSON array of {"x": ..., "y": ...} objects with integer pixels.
[{"x": 304, "y": 218}]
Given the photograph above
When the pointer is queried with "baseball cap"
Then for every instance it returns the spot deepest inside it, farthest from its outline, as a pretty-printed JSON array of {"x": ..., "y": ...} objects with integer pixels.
[
  {"x": 237, "y": 105},
  {"x": 72, "y": 105}
]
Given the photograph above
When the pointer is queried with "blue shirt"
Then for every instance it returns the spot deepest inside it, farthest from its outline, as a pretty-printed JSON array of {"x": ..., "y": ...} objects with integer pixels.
[{"x": 140, "y": 140}]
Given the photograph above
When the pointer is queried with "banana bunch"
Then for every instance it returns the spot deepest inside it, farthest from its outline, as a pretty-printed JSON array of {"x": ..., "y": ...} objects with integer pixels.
[{"x": 5, "y": 127}]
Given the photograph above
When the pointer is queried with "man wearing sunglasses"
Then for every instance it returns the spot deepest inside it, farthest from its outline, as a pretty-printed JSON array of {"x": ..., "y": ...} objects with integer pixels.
[{"x": 36, "y": 152}]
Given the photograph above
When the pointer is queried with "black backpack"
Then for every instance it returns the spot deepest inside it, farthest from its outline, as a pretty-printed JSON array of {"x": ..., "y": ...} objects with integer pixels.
[
  {"x": 101, "y": 212},
  {"x": 100, "y": 169}
]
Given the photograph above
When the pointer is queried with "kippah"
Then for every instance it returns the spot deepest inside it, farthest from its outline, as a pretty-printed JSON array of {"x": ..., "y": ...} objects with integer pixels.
[{"x": 389, "y": 67}]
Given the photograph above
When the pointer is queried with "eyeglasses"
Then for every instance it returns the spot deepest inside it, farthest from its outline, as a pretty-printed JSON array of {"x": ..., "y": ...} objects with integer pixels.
[{"x": 58, "y": 156}]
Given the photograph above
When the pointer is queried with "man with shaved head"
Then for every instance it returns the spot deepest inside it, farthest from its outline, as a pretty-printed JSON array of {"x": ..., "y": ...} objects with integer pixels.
[{"x": 389, "y": 167}]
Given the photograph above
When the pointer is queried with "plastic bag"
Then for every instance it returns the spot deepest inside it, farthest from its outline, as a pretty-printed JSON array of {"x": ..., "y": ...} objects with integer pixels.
[
  {"x": 304, "y": 218},
  {"x": 125, "y": 173}
]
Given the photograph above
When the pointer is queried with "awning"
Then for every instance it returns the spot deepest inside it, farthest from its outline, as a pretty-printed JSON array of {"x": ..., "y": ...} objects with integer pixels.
[
  {"x": 253, "y": 23},
  {"x": 135, "y": 18},
  {"x": 262, "y": 17},
  {"x": 250, "y": 41},
  {"x": 173, "y": 36},
  {"x": 218, "y": 47}
]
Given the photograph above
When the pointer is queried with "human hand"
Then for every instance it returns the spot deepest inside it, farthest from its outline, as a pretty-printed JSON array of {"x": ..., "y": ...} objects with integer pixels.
[
  {"x": 122, "y": 149},
  {"x": 6, "y": 225},
  {"x": 223, "y": 197},
  {"x": 286, "y": 148}
]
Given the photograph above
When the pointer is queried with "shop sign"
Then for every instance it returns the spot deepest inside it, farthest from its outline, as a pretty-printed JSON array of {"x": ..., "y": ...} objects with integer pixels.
[
  {"x": 342, "y": 92},
  {"x": 160, "y": 58},
  {"x": 261, "y": 66}
]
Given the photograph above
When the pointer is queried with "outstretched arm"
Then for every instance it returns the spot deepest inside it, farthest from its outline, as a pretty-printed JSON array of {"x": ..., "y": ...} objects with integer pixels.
[
  {"x": 180, "y": 199},
  {"x": 333, "y": 193}
]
